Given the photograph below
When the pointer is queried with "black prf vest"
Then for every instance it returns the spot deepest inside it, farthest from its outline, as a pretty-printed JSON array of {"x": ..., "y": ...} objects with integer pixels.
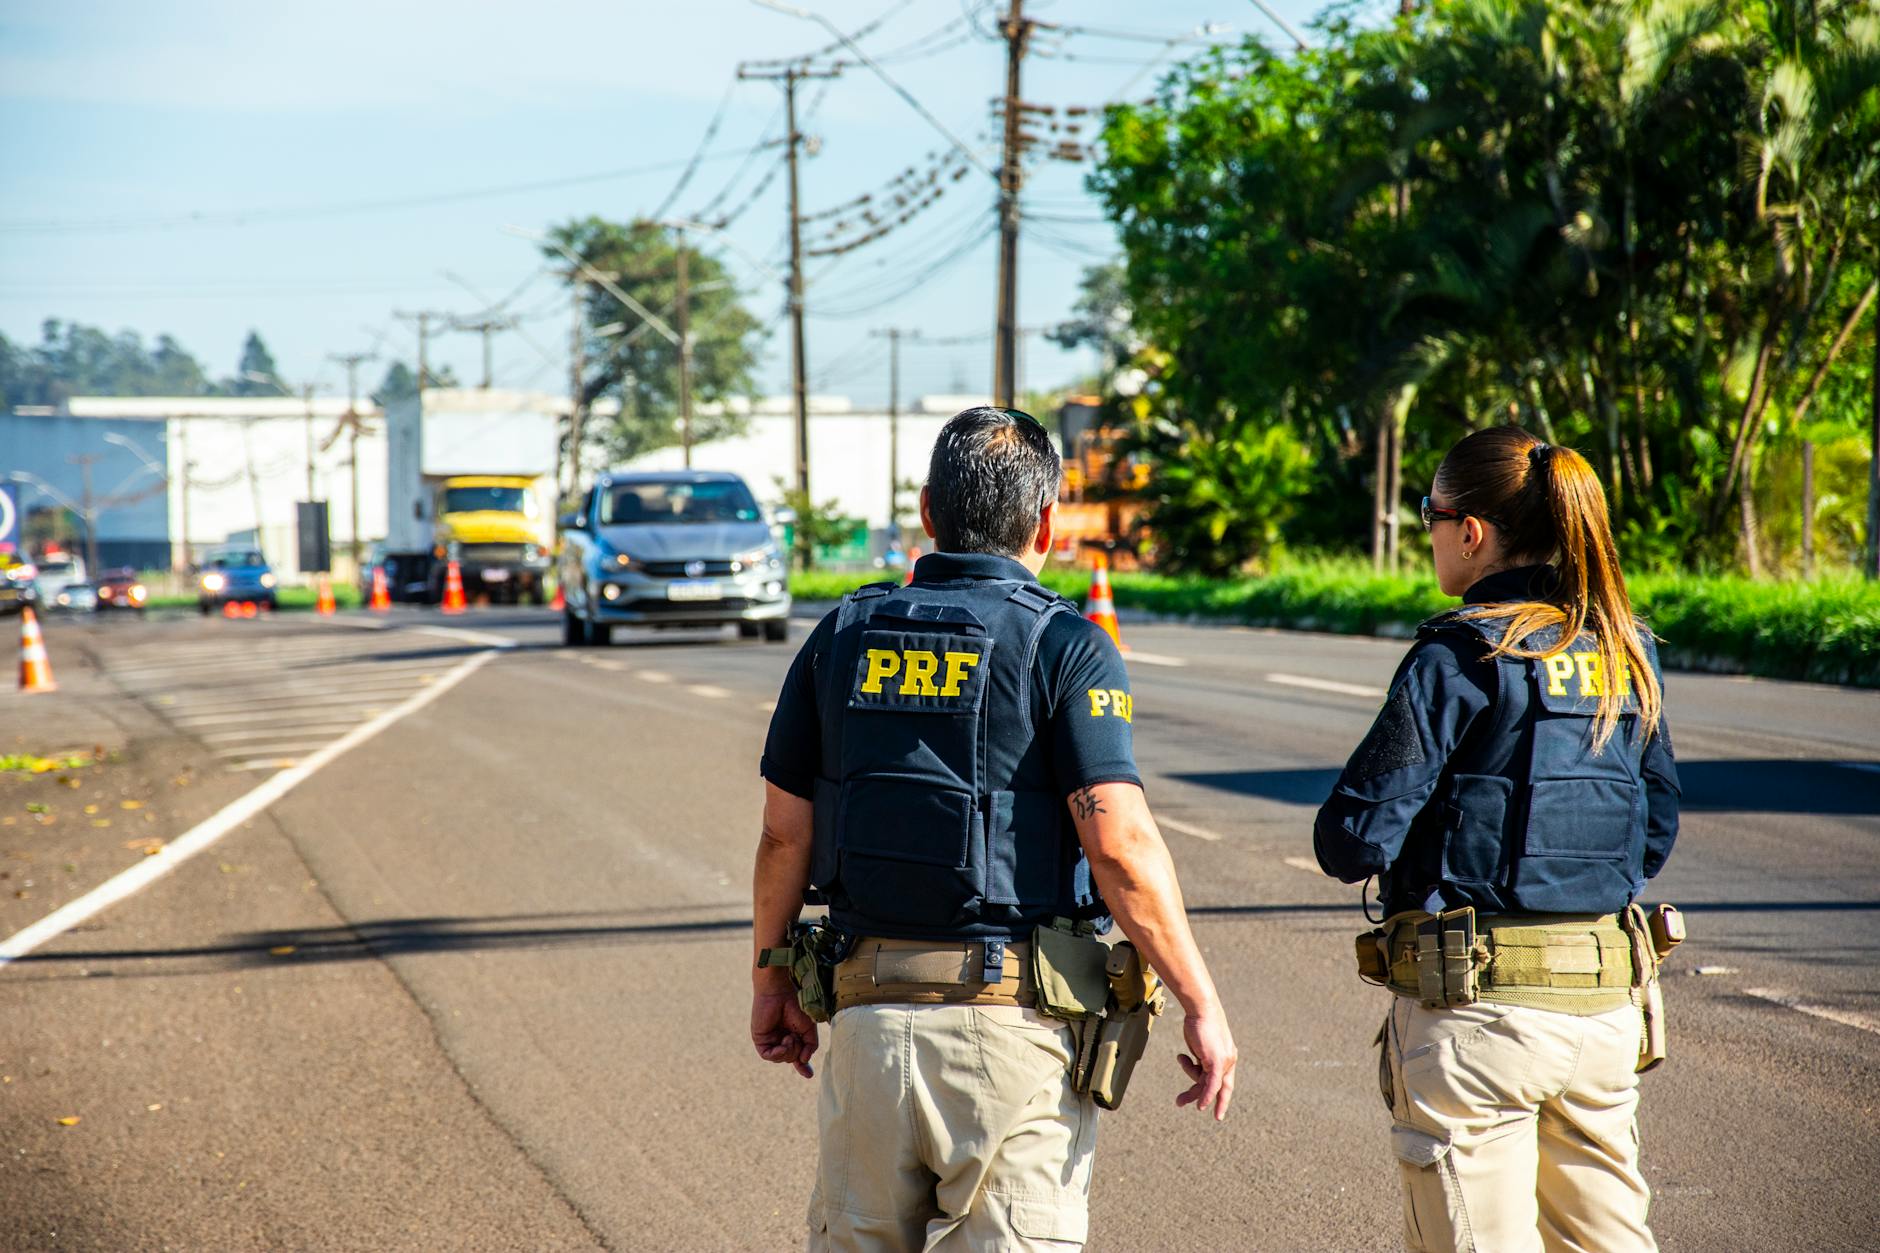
[
  {"x": 922, "y": 827},
  {"x": 1527, "y": 818}
]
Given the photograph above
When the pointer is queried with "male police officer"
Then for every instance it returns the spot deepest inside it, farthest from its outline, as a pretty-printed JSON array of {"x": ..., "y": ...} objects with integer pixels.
[{"x": 949, "y": 765}]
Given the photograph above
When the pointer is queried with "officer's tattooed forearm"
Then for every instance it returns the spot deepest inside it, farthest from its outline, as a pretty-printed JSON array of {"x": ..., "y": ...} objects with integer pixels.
[{"x": 1084, "y": 801}]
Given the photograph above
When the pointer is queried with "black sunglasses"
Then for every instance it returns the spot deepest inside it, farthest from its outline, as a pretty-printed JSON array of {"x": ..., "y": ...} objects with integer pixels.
[{"x": 1432, "y": 514}]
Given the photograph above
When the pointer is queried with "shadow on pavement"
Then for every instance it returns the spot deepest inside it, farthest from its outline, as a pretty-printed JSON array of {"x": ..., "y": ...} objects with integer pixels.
[{"x": 1784, "y": 787}]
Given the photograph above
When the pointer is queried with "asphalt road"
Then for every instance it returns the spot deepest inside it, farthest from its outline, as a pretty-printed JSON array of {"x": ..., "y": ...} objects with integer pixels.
[{"x": 478, "y": 980}]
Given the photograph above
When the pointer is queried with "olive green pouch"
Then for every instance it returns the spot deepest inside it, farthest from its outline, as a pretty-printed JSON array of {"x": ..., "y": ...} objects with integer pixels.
[{"x": 1069, "y": 973}]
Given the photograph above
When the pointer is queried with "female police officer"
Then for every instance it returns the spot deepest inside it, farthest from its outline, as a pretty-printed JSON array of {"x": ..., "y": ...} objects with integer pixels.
[{"x": 1513, "y": 797}]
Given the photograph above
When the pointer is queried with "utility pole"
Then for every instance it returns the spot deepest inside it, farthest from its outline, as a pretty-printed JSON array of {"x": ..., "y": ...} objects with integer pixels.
[
  {"x": 423, "y": 319},
  {"x": 684, "y": 326},
  {"x": 352, "y": 360},
  {"x": 893, "y": 335},
  {"x": 1017, "y": 31},
  {"x": 577, "y": 380},
  {"x": 182, "y": 456},
  {"x": 87, "y": 511},
  {"x": 485, "y": 328},
  {"x": 306, "y": 396},
  {"x": 790, "y": 76}
]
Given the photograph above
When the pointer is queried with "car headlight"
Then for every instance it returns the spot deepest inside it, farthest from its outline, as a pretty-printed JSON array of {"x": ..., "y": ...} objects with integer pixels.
[
  {"x": 531, "y": 553},
  {"x": 763, "y": 558},
  {"x": 137, "y": 593},
  {"x": 213, "y": 582},
  {"x": 267, "y": 580},
  {"x": 623, "y": 561}
]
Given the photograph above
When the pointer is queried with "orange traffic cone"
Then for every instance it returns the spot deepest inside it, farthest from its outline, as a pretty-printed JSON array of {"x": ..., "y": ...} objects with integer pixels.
[
  {"x": 453, "y": 589},
  {"x": 231, "y": 610},
  {"x": 35, "y": 666},
  {"x": 1100, "y": 609},
  {"x": 913, "y": 555},
  {"x": 560, "y": 602},
  {"x": 323, "y": 605},
  {"x": 381, "y": 595}
]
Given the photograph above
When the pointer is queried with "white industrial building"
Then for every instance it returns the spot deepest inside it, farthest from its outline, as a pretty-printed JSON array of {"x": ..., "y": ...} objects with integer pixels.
[{"x": 236, "y": 466}]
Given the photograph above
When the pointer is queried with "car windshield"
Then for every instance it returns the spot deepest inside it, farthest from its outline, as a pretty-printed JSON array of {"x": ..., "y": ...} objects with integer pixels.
[
  {"x": 476, "y": 499},
  {"x": 55, "y": 568},
  {"x": 718, "y": 500},
  {"x": 236, "y": 560}
]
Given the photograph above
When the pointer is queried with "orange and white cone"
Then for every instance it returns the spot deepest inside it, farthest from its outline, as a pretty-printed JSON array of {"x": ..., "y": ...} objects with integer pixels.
[
  {"x": 453, "y": 589},
  {"x": 913, "y": 555},
  {"x": 381, "y": 595},
  {"x": 324, "y": 605},
  {"x": 35, "y": 666},
  {"x": 560, "y": 602},
  {"x": 1100, "y": 608}
]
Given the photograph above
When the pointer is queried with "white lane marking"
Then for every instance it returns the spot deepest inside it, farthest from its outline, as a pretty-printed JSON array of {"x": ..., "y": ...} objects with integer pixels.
[
  {"x": 219, "y": 824},
  {"x": 283, "y": 747},
  {"x": 1188, "y": 828},
  {"x": 1155, "y": 659},
  {"x": 212, "y": 715},
  {"x": 1846, "y": 1017},
  {"x": 1325, "y": 685},
  {"x": 261, "y": 735},
  {"x": 1303, "y": 863},
  {"x": 467, "y": 635},
  {"x": 602, "y": 663},
  {"x": 654, "y": 676},
  {"x": 708, "y": 691}
]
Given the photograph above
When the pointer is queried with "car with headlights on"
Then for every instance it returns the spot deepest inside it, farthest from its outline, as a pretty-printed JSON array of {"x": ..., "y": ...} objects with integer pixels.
[
  {"x": 235, "y": 575},
  {"x": 18, "y": 586},
  {"x": 121, "y": 589},
  {"x": 678, "y": 548}
]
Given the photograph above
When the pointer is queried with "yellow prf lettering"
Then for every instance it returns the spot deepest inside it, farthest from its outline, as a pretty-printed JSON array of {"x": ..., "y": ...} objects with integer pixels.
[
  {"x": 1122, "y": 704},
  {"x": 957, "y": 666},
  {"x": 918, "y": 680},
  {"x": 1099, "y": 701},
  {"x": 1592, "y": 674},
  {"x": 883, "y": 663},
  {"x": 1559, "y": 670}
]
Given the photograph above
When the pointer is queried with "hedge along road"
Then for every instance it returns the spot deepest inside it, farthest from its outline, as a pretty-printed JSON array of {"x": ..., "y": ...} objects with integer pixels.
[{"x": 480, "y": 982}]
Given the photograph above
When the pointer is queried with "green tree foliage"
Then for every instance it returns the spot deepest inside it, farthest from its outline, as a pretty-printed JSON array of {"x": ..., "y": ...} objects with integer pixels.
[
  {"x": 635, "y": 364},
  {"x": 72, "y": 359},
  {"x": 401, "y": 382},
  {"x": 256, "y": 373},
  {"x": 1641, "y": 228}
]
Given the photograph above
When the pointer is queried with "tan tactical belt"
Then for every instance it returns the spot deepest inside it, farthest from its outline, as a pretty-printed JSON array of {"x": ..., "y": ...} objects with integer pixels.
[
  {"x": 927, "y": 972},
  {"x": 1578, "y": 964}
]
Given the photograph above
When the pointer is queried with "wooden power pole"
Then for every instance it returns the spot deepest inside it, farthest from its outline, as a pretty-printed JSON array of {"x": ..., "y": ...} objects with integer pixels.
[
  {"x": 790, "y": 76},
  {"x": 893, "y": 335},
  {"x": 682, "y": 297},
  {"x": 1017, "y": 31}
]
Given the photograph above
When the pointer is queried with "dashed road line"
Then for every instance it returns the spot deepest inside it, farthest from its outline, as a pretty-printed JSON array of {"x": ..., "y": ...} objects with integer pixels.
[
  {"x": 707, "y": 691},
  {"x": 1189, "y": 828},
  {"x": 219, "y": 824},
  {"x": 1155, "y": 659},
  {"x": 654, "y": 676},
  {"x": 1303, "y": 863},
  {"x": 1845, "y": 1017},
  {"x": 1326, "y": 685}
]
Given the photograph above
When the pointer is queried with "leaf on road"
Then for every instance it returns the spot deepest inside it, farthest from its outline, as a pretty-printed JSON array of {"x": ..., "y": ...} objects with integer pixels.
[
  {"x": 38, "y": 807},
  {"x": 66, "y": 780},
  {"x": 148, "y": 844},
  {"x": 283, "y": 950},
  {"x": 69, "y": 1121},
  {"x": 100, "y": 822},
  {"x": 154, "y": 1108},
  {"x": 130, "y": 804},
  {"x": 91, "y": 809}
]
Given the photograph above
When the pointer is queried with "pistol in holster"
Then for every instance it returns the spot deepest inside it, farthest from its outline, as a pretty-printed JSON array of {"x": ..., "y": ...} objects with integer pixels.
[
  {"x": 816, "y": 948},
  {"x": 1653, "y": 936},
  {"x": 1107, "y": 995}
]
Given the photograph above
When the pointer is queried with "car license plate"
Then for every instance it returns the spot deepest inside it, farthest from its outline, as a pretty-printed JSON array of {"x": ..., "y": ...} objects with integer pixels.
[
  {"x": 694, "y": 589},
  {"x": 495, "y": 576}
]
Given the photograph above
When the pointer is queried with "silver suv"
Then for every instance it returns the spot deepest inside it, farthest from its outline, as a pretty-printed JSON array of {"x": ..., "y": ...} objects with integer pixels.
[{"x": 679, "y": 548}]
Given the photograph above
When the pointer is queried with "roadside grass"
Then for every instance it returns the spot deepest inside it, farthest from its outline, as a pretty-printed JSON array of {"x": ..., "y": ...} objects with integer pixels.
[
  {"x": 345, "y": 596},
  {"x": 1824, "y": 631}
]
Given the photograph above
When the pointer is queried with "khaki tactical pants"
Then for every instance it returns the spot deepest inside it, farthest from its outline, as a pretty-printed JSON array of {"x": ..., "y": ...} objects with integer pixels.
[
  {"x": 950, "y": 1127},
  {"x": 1515, "y": 1128}
]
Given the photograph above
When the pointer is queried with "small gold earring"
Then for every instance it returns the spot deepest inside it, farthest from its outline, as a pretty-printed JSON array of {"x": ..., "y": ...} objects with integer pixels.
[{"x": 1468, "y": 556}]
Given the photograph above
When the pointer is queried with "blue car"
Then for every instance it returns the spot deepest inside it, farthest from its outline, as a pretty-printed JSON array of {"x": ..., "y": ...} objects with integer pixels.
[
  {"x": 681, "y": 548},
  {"x": 238, "y": 575}
]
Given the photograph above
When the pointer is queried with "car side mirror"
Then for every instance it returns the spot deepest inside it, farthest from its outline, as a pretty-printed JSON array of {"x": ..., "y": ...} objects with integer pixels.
[
  {"x": 785, "y": 516},
  {"x": 573, "y": 522}
]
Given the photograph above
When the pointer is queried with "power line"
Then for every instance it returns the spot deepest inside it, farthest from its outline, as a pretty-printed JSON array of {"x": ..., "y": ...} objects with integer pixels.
[
  {"x": 691, "y": 168},
  {"x": 256, "y": 217}
]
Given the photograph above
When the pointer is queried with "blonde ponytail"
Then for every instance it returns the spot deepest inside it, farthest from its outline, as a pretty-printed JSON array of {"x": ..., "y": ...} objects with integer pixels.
[{"x": 1551, "y": 508}]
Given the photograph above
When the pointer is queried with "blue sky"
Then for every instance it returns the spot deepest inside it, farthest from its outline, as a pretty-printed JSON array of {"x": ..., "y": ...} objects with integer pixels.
[{"x": 205, "y": 166}]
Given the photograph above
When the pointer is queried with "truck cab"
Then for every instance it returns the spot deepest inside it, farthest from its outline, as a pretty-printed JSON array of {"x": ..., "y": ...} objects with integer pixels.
[{"x": 492, "y": 524}]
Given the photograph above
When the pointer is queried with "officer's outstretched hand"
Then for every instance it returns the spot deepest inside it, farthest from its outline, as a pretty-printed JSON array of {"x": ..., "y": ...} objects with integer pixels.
[
  {"x": 1209, "y": 1062},
  {"x": 782, "y": 1032}
]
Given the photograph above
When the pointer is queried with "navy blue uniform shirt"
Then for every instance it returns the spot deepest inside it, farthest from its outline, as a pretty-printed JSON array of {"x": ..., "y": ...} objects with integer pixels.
[
  {"x": 1447, "y": 684},
  {"x": 1081, "y": 705}
]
